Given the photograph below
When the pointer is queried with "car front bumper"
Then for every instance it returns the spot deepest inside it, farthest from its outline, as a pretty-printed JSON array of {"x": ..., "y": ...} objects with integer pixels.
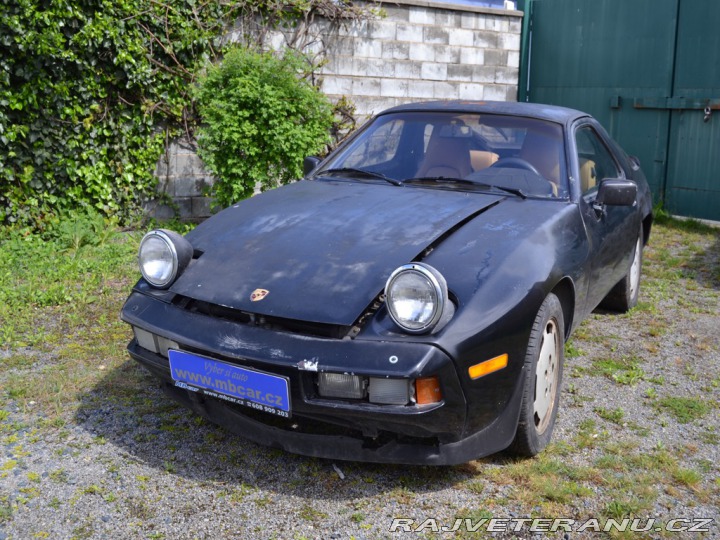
[{"x": 323, "y": 427}]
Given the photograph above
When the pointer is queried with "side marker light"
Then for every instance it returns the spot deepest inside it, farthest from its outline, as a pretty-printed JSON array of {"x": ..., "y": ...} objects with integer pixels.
[{"x": 488, "y": 366}]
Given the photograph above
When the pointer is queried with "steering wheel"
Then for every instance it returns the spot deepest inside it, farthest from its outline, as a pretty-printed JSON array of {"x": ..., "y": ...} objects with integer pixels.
[{"x": 516, "y": 163}]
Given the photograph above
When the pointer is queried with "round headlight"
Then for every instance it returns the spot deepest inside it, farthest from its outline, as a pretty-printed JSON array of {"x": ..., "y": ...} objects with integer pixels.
[
  {"x": 163, "y": 256},
  {"x": 416, "y": 297}
]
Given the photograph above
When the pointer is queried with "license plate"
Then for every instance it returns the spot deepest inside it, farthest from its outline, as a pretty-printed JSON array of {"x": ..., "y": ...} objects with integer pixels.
[{"x": 247, "y": 387}]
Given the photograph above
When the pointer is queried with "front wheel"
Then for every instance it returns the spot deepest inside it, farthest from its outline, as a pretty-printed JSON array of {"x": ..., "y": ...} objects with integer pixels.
[
  {"x": 624, "y": 296},
  {"x": 543, "y": 375}
]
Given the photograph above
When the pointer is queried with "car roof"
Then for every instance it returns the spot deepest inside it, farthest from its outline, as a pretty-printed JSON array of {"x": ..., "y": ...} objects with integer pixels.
[{"x": 550, "y": 113}]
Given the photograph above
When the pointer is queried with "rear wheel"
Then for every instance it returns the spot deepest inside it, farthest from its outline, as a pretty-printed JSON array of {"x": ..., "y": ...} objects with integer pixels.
[
  {"x": 624, "y": 296},
  {"x": 541, "y": 392}
]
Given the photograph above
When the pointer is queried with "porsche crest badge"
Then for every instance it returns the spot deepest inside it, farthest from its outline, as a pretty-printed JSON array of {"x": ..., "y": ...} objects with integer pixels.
[{"x": 258, "y": 294}]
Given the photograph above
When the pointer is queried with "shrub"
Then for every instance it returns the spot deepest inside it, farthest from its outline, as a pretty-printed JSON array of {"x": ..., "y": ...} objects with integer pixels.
[{"x": 261, "y": 117}]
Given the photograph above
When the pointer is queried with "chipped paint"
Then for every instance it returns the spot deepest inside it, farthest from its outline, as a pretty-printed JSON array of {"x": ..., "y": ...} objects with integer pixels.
[
  {"x": 308, "y": 365},
  {"x": 232, "y": 342}
]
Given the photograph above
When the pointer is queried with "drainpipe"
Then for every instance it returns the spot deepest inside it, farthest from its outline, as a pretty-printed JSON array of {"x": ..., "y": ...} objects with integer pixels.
[{"x": 526, "y": 6}]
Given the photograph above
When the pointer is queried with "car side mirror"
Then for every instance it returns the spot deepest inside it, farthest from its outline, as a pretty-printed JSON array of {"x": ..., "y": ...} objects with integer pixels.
[
  {"x": 615, "y": 192},
  {"x": 310, "y": 163}
]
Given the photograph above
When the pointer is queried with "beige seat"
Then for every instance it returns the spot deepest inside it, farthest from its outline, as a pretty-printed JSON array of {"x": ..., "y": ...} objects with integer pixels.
[
  {"x": 588, "y": 174},
  {"x": 543, "y": 152},
  {"x": 446, "y": 156},
  {"x": 482, "y": 159}
]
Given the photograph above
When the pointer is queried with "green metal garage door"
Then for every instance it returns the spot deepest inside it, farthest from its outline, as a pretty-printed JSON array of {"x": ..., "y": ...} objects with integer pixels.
[{"x": 649, "y": 70}]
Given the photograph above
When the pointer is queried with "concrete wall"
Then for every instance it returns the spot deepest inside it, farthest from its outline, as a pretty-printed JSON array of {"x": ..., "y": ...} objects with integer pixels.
[
  {"x": 420, "y": 50},
  {"x": 423, "y": 50}
]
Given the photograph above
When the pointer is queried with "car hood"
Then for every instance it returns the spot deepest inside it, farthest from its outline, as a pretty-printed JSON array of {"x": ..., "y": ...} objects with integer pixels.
[{"x": 322, "y": 250}]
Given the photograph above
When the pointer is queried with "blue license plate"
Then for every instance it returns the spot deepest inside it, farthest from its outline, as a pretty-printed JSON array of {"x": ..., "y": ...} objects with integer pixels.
[{"x": 261, "y": 391}]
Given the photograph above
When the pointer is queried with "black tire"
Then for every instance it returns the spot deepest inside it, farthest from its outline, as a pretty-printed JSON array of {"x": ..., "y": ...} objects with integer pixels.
[
  {"x": 545, "y": 351},
  {"x": 624, "y": 296}
]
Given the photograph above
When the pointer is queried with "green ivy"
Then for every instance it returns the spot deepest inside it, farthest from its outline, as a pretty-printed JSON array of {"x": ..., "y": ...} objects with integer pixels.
[
  {"x": 86, "y": 88},
  {"x": 260, "y": 119},
  {"x": 92, "y": 90}
]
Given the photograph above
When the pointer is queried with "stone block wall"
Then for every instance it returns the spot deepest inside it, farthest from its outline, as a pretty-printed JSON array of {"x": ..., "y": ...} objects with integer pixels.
[
  {"x": 424, "y": 50},
  {"x": 182, "y": 177},
  {"x": 420, "y": 50}
]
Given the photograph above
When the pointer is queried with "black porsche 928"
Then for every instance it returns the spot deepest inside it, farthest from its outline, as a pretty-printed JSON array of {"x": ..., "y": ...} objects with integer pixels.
[{"x": 408, "y": 300}]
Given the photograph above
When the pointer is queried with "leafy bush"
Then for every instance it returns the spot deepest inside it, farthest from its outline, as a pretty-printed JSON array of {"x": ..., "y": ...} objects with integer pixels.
[{"x": 260, "y": 119}]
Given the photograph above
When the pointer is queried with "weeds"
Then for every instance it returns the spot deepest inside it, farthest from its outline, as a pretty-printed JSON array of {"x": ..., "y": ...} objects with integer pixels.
[
  {"x": 611, "y": 415},
  {"x": 685, "y": 410}
]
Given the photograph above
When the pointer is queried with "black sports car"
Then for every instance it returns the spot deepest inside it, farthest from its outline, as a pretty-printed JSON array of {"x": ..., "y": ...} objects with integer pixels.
[{"x": 408, "y": 301}]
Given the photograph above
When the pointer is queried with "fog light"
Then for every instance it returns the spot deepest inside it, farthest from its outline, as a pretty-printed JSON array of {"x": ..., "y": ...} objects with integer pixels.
[
  {"x": 389, "y": 391},
  {"x": 145, "y": 339},
  {"x": 341, "y": 385}
]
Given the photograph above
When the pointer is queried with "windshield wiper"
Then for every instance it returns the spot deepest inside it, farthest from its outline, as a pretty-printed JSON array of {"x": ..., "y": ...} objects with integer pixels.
[
  {"x": 511, "y": 190},
  {"x": 363, "y": 172},
  {"x": 465, "y": 182},
  {"x": 441, "y": 180}
]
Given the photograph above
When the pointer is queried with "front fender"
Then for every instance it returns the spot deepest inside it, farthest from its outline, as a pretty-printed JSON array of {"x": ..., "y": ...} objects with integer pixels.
[{"x": 499, "y": 269}]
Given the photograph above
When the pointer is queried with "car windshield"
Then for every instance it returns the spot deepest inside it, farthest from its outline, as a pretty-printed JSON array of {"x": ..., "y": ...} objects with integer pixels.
[{"x": 457, "y": 151}]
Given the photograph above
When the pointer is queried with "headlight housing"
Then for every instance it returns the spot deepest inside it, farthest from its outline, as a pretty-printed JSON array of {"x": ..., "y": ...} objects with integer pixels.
[
  {"x": 163, "y": 256},
  {"x": 417, "y": 298}
]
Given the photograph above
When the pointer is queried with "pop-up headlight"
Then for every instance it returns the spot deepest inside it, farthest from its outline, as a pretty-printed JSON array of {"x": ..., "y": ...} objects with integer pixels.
[
  {"x": 417, "y": 298},
  {"x": 163, "y": 256}
]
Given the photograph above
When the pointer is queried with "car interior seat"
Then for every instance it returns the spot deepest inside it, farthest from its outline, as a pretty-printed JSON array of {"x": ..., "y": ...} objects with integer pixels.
[
  {"x": 447, "y": 155},
  {"x": 543, "y": 152},
  {"x": 482, "y": 159},
  {"x": 588, "y": 174}
]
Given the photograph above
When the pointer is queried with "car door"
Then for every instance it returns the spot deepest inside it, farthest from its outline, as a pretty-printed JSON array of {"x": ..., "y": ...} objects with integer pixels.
[{"x": 612, "y": 230}]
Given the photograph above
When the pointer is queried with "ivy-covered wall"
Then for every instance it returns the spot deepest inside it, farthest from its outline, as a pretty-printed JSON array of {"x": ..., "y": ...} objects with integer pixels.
[
  {"x": 89, "y": 92},
  {"x": 92, "y": 91}
]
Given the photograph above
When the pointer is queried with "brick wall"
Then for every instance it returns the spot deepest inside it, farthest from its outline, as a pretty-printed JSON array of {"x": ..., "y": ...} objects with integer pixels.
[{"x": 420, "y": 50}]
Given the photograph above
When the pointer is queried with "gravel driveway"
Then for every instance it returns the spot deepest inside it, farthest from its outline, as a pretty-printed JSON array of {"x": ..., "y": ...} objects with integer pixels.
[{"x": 638, "y": 436}]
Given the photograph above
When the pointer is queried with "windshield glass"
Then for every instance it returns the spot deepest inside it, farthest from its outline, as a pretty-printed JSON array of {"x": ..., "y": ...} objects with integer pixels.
[{"x": 420, "y": 148}]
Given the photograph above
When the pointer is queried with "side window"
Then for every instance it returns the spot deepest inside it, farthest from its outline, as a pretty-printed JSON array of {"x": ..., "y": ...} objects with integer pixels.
[
  {"x": 379, "y": 147},
  {"x": 594, "y": 159}
]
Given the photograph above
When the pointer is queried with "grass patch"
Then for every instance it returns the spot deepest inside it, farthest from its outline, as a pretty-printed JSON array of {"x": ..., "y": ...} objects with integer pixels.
[
  {"x": 622, "y": 371},
  {"x": 588, "y": 435},
  {"x": 684, "y": 410},
  {"x": 572, "y": 350},
  {"x": 687, "y": 477},
  {"x": 548, "y": 479},
  {"x": 611, "y": 415},
  {"x": 60, "y": 293},
  {"x": 309, "y": 513}
]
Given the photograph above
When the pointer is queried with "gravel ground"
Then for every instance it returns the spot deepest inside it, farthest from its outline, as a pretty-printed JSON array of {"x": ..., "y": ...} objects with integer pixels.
[{"x": 127, "y": 463}]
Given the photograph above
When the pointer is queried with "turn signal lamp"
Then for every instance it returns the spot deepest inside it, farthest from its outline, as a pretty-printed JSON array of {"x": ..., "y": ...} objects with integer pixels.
[
  {"x": 427, "y": 390},
  {"x": 488, "y": 366}
]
